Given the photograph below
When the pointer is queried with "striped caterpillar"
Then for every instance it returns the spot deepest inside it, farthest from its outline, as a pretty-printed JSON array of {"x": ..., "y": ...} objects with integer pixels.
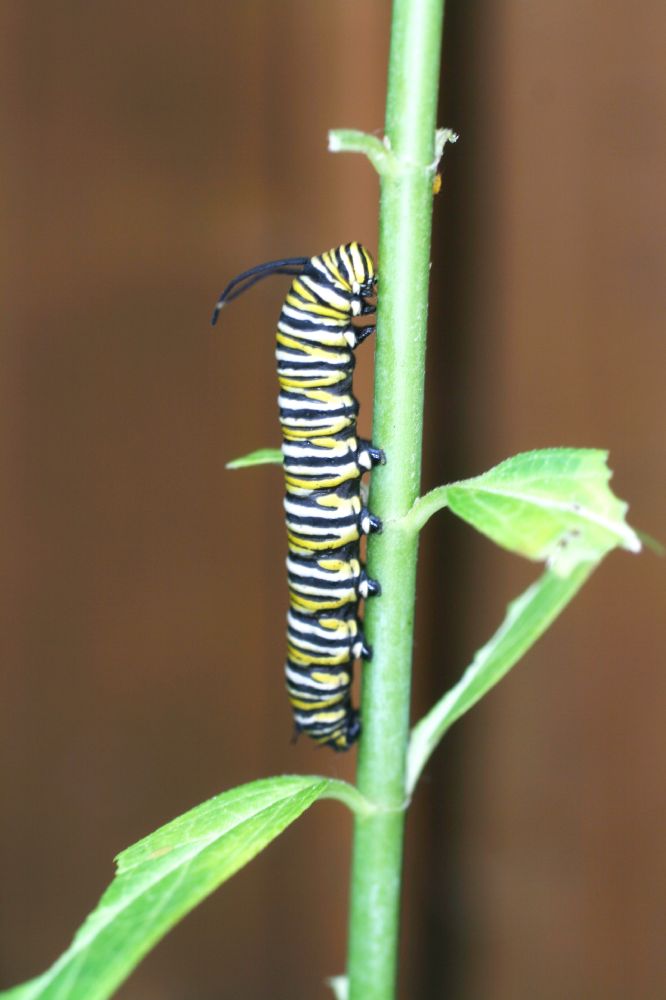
[{"x": 323, "y": 464}]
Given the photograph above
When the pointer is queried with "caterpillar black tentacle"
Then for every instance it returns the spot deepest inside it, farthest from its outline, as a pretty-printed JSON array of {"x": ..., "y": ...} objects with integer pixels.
[{"x": 323, "y": 463}]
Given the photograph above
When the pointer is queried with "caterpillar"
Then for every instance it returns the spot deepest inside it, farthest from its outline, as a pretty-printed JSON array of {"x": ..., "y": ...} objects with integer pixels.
[{"x": 323, "y": 461}]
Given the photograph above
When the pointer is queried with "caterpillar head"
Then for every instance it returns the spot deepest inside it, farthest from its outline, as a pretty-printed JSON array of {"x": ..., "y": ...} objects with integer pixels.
[{"x": 357, "y": 267}]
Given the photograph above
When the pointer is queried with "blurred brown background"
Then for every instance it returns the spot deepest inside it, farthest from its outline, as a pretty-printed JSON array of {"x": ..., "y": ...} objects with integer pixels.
[{"x": 149, "y": 153}]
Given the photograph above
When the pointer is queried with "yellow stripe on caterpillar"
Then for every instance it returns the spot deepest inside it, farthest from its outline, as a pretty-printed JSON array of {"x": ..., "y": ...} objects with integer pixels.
[
  {"x": 296, "y": 656},
  {"x": 319, "y": 484},
  {"x": 303, "y": 604},
  {"x": 329, "y": 260},
  {"x": 353, "y": 504},
  {"x": 291, "y": 382},
  {"x": 315, "y": 706},
  {"x": 300, "y": 288},
  {"x": 298, "y": 434},
  {"x": 305, "y": 347},
  {"x": 349, "y": 627},
  {"x": 342, "y": 678}
]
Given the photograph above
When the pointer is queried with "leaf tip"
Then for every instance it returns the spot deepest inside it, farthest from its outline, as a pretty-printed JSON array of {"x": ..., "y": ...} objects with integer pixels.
[{"x": 633, "y": 542}]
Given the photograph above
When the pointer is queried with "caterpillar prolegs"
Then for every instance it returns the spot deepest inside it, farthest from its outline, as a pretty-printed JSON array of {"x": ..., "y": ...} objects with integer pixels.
[{"x": 323, "y": 463}]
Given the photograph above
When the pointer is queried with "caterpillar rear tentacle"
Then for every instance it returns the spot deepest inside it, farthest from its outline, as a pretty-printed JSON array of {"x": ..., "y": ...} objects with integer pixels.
[{"x": 323, "y": 464}]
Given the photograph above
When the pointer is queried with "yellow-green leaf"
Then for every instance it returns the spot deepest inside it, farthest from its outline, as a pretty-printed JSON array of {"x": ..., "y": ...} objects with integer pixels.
[
  {"x": 164, "y": 876},
  {"x": 264, "y": 456},
  {"x": 553, "y": 505}
]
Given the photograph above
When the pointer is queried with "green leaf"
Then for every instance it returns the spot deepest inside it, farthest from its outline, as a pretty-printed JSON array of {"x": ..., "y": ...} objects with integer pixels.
[
  {"x": 164, "y": 876},
  {"x": 264, "y": 456},
  {"x": 552, "y": 505},
  {"x": 527, "y": 618}
]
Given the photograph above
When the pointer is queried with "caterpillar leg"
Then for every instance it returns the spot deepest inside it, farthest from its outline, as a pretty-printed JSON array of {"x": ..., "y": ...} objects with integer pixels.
[
  {"x": 362, "y": 333},
  {"x": 368, "y": 523},
  {"x": 367, "y": 587},
  {"x": 369, "y": 456},
  {"x": 359, "y": 648},
  {"x": 352, "y": 730}
]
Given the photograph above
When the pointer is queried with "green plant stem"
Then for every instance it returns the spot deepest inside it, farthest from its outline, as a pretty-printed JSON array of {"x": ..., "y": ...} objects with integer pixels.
[{"x": 404, "y": 259}]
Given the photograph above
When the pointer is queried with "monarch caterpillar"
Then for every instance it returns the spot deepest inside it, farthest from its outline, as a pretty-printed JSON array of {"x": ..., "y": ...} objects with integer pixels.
[{"x": 323, "y": 462}]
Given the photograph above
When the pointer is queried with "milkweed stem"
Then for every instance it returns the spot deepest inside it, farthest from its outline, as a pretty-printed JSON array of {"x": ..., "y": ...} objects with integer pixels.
[{"x": 403, "y": 267}]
